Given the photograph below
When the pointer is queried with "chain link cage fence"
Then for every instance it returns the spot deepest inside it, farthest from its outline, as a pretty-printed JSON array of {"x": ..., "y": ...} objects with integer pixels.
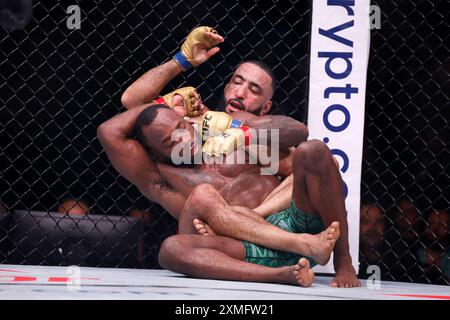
[
  {"x": 406, "y": 173},
  {"x": 58, "y": 85}
]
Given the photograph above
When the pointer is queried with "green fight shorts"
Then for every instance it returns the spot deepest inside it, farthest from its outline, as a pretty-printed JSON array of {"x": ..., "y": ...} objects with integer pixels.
[{"x": 292, "y": 220}]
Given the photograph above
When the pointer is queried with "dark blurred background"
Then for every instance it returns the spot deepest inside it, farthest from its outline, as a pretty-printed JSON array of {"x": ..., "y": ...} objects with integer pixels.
[{"x": 57, "y": 85}]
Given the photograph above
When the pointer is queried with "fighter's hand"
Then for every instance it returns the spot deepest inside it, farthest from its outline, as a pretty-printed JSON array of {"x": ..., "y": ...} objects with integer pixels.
[
  {"x": 345, "y": 279},
  {"x": 226, "y": 142},
  {"x": 199, "y": 46},
  {"x": 185, "y": 101},
  {"x": 202, "y": 52},
  {"x": 215, "y": 122}
]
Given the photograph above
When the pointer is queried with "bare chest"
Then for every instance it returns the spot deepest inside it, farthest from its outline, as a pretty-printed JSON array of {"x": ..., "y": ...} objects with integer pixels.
[{"x": 239, "y": 184}]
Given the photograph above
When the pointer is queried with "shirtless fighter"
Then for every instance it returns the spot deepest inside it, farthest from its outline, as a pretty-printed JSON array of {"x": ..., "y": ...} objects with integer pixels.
[
  {"x": 250, "y": 89},
  {"x": 154, "y": 173}
]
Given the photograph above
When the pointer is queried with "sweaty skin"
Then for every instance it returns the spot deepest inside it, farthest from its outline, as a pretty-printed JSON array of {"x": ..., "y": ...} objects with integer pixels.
[
  {"x": 221, "y": 258},
  {"x": 250, "y": 90},
  {"x": 241, "y": 223},
  {"x": 170, "y": 185}
]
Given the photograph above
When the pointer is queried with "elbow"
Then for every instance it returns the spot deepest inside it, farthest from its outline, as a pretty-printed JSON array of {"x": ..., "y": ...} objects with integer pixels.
[
  {"x": 129, "y": 98},
  {"x": 126, "y": 99},
  {"x": 299, "y": 131},
  {"x": 102, "y": 132}
]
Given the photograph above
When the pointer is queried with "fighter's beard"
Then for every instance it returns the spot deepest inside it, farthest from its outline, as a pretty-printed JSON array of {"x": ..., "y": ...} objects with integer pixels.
[{"x": 222, "y": 104}]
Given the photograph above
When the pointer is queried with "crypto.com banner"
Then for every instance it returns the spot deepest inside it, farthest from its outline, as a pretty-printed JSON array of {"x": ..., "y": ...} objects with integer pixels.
[{"x": 340, "y": 40}]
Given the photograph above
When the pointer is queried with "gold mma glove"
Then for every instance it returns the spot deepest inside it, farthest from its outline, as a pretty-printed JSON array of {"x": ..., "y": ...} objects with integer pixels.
[
  {"x": 189, "y": 100},
  {"x": 227, "y": 141},
  {"x": 185, "y": 57},
  {"x": 214, "y": 122}
]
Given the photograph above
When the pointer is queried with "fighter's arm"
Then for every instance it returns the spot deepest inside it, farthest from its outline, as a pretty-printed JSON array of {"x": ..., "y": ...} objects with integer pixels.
[
  {"x": 271, "y": 149},
  {"x": 199, "y": 46},
  {"x": 133, "y": 162},
  {"x": 291, "y": 132},
  {"x": 148, "y": 87},
  {"x": 286, "y": 154}
]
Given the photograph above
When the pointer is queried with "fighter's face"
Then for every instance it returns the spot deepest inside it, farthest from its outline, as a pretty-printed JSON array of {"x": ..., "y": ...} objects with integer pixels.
[
  {"x": 250, "y": 89},
  {"x": 168, "y": 130}
]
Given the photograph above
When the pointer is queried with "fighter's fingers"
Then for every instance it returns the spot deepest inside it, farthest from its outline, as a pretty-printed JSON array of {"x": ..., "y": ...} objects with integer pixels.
[
  {"x": 202, "y": 106},
  {"x": 212, "y": 30},
  {"x": 196, "y": 103},
  {"x": 197, "y": 95},
  {"x": 194, "y": 100},
  {"x": 214, "y": 36},
  {"x": 212, "y": 52}
]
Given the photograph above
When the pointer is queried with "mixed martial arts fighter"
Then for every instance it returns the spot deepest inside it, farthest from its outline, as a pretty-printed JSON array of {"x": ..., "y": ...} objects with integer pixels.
[{"x": 251, "y": 89}]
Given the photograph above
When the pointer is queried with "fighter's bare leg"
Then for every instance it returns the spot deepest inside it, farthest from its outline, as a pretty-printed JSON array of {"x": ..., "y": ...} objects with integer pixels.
[
  {"x": 330, "y": 235},
  {"x": 223, "y": 258},
  {"x": 205, "y": 229},
  {"x": 187, "y": 216},
  {"x": 193, "y": 210},
  {"x": 209, "y": 206},
  {"x": 278, "y": 200},
  {"x": 318, "y": 189}
]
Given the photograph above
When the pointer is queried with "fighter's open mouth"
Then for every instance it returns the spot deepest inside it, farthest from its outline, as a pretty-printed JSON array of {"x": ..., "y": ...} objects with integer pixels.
[{"x": 236, "y": 105}]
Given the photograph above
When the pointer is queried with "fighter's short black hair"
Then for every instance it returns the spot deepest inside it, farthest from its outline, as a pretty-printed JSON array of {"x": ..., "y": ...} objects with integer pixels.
[
  {"x": 267, "y": 69},
  {"x": 144, "y": 119}
]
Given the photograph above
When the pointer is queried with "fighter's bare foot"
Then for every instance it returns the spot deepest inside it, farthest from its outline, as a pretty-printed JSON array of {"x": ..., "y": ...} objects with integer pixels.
[
  {"x": 303, "y": 273},
  {"x": 203, "y": 228},
  {"x": 321, "y": 245},
  {"x": 345, "y": 278}
]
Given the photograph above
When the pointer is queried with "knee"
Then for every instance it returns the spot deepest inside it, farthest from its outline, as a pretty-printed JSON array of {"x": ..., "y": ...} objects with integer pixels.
[
  {"x": 204, "y": 189},
  {"x": 312, "y": 153},
  {"x": 202, "y": 195},
  {"x": 170, "y": 252}
]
